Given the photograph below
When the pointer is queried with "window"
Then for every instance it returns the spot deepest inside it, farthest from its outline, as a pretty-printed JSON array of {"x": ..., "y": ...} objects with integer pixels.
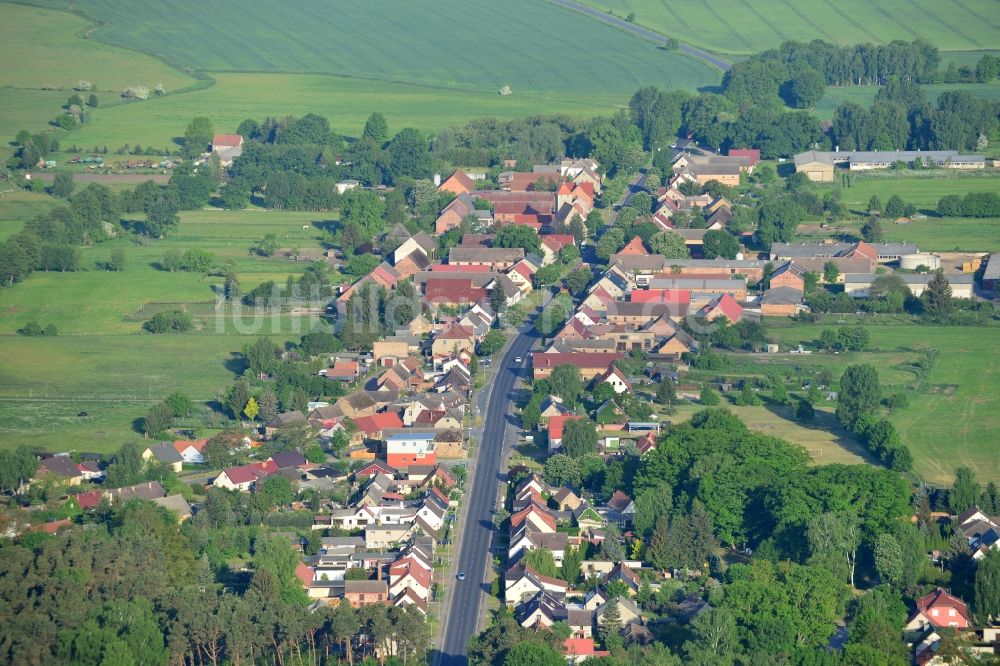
[
  {"x": 934, "y": 612},
  {"x": 951, "y": 612}
]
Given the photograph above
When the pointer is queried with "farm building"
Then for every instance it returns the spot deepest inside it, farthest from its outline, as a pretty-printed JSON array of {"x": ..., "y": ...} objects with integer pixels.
[{"x": 857, "y": 284}]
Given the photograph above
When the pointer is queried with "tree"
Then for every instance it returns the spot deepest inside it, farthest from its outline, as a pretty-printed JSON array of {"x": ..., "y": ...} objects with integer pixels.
[
  {"x": 937, "y": 299},
  {"x": 719, "y": 243},
  {"x": 117, "y": 260},
  {"x": 198, "y": 136},
  {"x": 376, "y": 129},
  {"x": 650, "y": 505},
  {"x": 542, "y": 561},
  {"x": 834, "y": 539},
  {"x": 17, "y": 467},
  {"x": 805, "y": 89},
  {"x": 251, "y": 410},
  {"x": 171, "y": 260},
  {"x": 566, "y": 383},
  {"x": 62, "y": 185},
  {"x": 888, "y": 559},
  {"x": 260, "y": 356},
  {"x": 612, "y": 241},
  {"x": 518, "y": 235},
  {"x": 986, "y": 599},
  {"x": 830, "y": 272},
  {"x": 611, "y": 625},
  {"x": 579, "y": 437},
  {"x": 572, "y": 564},
  {"x": 531, "y": 653},
  {"x": 530, "y": 415},
  {"x": 860, "y": 393},
  {"x": 238, "y": 397},
  {"x": 874, "y": 204},
  {"x": 871, "y": 230},
  {"x": 180, "y": 405},
  {"x": 666, "y": 394},
  {"x": 964, "y": 492},
  {"x": 804, "y": 411},
  {"x": 561, "y": 470},
  {"x": 268, "y": 405},
  {"x": 670, "y": 244},
  {"x": 492, "y": 342},
  {"x": 231, "y": 289},
  {"x": 894, "y": 207},
  {"x": 578, "y": 280},
  {"x": 708, "y": 396}
]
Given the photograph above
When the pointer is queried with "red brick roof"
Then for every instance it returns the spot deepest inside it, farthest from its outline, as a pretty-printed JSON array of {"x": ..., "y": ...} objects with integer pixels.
[
  {"x": 197, "y": 444},
  {"x": 557, "y": 424},
  {"x": 752, "y": 153},
  {"x": 580, "y": 359},
  {"x": 227, "y": 140},
  {"x": 726, "y": 305},
  {"x": 453, "y": 291},
  {"x": 556, "y": 241},
  {"x": 941, "y": 599},
  {"x": 458, "y": 182},
  {"x": 89, "y": 499},
  {"x": 635, "y": 247},
  {"x": 378, "y": 422},
  {"x": 455, "y": 332},
  {"x": 522, "y": 182},
  {"x": 660, "y": 296}
]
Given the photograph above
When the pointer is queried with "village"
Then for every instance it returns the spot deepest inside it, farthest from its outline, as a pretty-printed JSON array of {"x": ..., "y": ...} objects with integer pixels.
[{"x": 412, "y": 411}]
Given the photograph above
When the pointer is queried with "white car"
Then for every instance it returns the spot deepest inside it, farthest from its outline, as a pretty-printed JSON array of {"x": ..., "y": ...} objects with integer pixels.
[
  {"x": 518, "y": 360},
  {"x": 461, "y": 575}
]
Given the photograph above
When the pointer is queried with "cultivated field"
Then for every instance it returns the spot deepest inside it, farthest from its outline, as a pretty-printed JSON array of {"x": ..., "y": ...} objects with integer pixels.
[
  {"x": 101, "y": 363},
  {"x": 955, "y": 420},
  {"x": 747, "y": 26},
  {"x": 330, "y": 67}
]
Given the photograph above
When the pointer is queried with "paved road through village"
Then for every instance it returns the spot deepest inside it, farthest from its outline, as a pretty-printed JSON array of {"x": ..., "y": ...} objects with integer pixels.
[{"x": 462, "y": 611}]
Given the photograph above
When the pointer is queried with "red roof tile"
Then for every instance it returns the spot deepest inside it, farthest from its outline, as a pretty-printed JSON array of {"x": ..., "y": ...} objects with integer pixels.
[
  {"x": 378, "y": 422},
  {"x": 580, "y": 359},
  {"x": 660, "y": 296},
  {"x": 227, "y": 140},
  {"x": 557, "y": 424}
]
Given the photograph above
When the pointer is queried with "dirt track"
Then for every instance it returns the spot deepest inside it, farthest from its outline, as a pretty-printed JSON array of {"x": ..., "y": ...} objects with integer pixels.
[{"x": 104, "y": 178}]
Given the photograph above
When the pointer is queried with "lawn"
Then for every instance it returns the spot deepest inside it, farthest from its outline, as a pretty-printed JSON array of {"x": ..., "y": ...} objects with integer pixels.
[
  {"x": 955, "y": 420},
  {"x": 18, "y": 206},
  {"x": 748, "y": 26},
  {"x": 102, "y": 363}
]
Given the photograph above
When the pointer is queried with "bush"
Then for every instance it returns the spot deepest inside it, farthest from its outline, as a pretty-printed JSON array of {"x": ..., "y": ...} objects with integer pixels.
[{"x": 170, "y": 321}]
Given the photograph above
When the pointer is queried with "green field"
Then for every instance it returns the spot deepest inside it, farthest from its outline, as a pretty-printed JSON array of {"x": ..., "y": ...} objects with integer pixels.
[
  {"x": 924, "y": 189},
  {"x": 749, "y": 26},
  {"x": 101, "y": 362},
  {"x": 314, "y": 57},
  {"x": 346, "y": 102},
  {"x": 955, "y": 421}
]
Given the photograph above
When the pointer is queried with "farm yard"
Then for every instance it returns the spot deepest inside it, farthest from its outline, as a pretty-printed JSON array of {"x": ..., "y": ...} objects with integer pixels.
[
  {"x": 749, "y": 26},
  {"x": 414, "y": 82}
]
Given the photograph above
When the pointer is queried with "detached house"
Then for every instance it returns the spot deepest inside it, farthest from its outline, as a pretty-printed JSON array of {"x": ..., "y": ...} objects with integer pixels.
[
  {"x": 523, "y": 583},
  {"x": 411, "y": 448},
  {"x": 163, "y": 454},
  {"x": 939, "y": 609}
]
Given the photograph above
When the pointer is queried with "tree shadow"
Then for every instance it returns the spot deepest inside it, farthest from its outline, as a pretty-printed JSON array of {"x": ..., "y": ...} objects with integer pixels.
[{"x": 236, "y": 364}]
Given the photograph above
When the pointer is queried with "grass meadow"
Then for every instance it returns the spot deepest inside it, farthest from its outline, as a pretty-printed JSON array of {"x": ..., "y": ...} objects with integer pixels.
[
  {"x": 748, "y": 26},
  {"x": 952, "y": 421},
  {"x": 924, "y": 189},
  {"x": 102, "y": 363}
]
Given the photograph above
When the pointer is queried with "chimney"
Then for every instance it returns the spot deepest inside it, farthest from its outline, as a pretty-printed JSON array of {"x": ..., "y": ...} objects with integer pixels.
[
  {"x": 837, "y": 149},
  {"x": 437, "y": 180}
]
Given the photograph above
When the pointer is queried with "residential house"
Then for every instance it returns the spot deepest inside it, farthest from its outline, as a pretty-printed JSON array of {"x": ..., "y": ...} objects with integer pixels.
[
  {"x": 590, "y": 365},
  {"x": 615, "y": 378},
  {"x": 282, "y": 420},
  {"x": 360, "y": 593},
  {"x": 244, "y": 477},
  {"x": 620, "y": 509},
  {"x": 552, "y": 244},
  {"x": 781, "y": 302},
  {"x": 788, "y": 275},
  {"x": 163, "y": 454},
  {"x": 177, "y": 504},
  {"x": 497, "y": 258},
  {"x": 458, "y": 183},
  {"x": 525, "y": 538},
  {"x": 536, "y": 516},
  {"x": 566, "y": 499},
  {"x": 372, "y": 427},
  {"x": 61, "y": 466},
  {"x": 521, "y": 583},
  {"x": 411, "y": 448},
  {"x": 453, "y": 339},
  {"x": 724, "y": 306},
  {"x": 542, "y": 610},
  {"x": 191, "y": 451},
  {"x": 557, "y": 425},
  {"x": 228, "y": 147},
  {"x": 939, "y": 609}
]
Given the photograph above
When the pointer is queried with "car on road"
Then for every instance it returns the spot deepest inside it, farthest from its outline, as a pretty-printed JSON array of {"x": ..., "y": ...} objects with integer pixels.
[
  {"x": 518, "y": 360},
  {"x": 461, "y": 575}
]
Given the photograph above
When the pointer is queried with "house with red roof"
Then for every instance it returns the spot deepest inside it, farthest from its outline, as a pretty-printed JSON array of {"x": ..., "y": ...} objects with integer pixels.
[
  {"x": 752, "y": 154},
  {"x": 634, "y": 248},
  {"x": 590, "y": 364},
  {"x": 646, "y": 443},
  {"x": 453, "y": 293},
  {"x": 245, "y": 476},
  {"x": 458, "y": 183},
  {"x": 533, "y": 181},
  {"x": 578, "y": 650},
  {"x": 724, "y": 306},
  {"x": 89, "y": 499},
  {"x": 371, "y": 427},
  {"x": 228, "y": 147},
  {"x": 191, "y": 450},
  {"x": 344, "y": 370},
  {"x": 939, "y": 609},
  {"x": 557, "y": 424},
  {"x": 535, "y": 515}
]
